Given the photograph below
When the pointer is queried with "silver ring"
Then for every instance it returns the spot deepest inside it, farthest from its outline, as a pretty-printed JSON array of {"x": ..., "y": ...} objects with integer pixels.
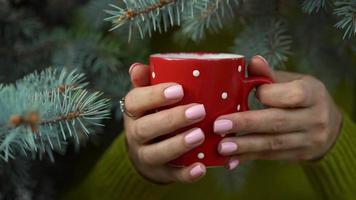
[{"x": 123, "y": 108}]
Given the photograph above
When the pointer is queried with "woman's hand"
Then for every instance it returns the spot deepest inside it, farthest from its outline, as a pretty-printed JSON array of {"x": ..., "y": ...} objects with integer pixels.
[
  {"x": 151, "y": 158},
  {"x": 301, "y": 123}
]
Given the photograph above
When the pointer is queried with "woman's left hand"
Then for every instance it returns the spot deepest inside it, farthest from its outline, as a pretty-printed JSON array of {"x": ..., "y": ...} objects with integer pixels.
[{"x": 301, "y": 123}]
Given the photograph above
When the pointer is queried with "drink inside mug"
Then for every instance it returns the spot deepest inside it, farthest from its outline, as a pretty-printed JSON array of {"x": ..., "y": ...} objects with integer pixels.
[
  {"x": 203, "y": 56},
  {"x": 216, "y": 80}
]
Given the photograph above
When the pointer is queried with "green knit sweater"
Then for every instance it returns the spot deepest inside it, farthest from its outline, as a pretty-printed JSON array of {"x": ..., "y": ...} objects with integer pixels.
[{"x": 333, "y": 177}]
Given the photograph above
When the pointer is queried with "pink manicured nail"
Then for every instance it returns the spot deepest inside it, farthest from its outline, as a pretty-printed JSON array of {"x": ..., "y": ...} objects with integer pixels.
[
  {"x": 222, "y": 125},
  {"x": 262, "y": 58},
  {"x": 195, "y": 112},
  {"x": 194, "y": 137},
  {"x": 233, "y": 163},
  {"x": 227, "y": 147},
  {"x": 174, "y": 92},
  {"x": 132, "y": 67},
  {"x": 197, "y": 171}
]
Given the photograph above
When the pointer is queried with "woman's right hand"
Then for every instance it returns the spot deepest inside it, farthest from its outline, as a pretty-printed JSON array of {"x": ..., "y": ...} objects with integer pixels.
[{"x": 150, "y": 159}]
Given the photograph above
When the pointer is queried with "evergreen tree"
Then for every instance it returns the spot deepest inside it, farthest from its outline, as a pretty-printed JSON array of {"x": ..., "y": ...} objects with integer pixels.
[
  {"x": 47, "y": 103},
  {"x": 265, "y": 22},
  {"x": 44, "y": 110}
]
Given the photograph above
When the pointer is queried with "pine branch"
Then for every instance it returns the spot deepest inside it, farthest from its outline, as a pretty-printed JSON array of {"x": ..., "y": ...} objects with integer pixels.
[
  {"x": 310, "y": 6},
  {"x": 51, "y": 79},
  {"x": 266, "y": 37},
  {"x": 43, "y": 111},
  {"x": 206, "y": 15},
  {"x": 147, "y": 15},
  {"x": 346, "y": 10},
  {"x": 131, "y": 14}
]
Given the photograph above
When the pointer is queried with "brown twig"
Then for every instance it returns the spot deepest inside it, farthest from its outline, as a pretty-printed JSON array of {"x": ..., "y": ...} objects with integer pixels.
[
  {"x": 33, "y": 120},
  {"x": 68, "y": 116},
  {"x": 130, "y": 14}
]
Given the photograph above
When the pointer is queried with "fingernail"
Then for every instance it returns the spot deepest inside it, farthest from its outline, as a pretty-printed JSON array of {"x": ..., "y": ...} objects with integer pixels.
[
  {"x": 197, "y": 171},
  {"x": 174, "y": 92},
  {"x": 195, "y": 112},
  {"x": 233, "y": 163},
  {"x": 222, "y": 125},
  {"x": 262, "y": 58},
  {"x": 227, "y": 147},
  {"x": 132, "y": 67},
  {"x": 194, "y": 137}
]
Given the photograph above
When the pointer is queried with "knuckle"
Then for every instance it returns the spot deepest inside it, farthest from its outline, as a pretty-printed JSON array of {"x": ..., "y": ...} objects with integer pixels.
[
  {"x": 138, "y": 134},
  {"x": 144, "y": 157},
  {"x": 297, "y": 96},
  {"x": 169, "y": 119},
  {"x": 246, "y": 122},
  {"x": 130, "y": 101},
  {"x": 322, "y": 120},
  {"x": 279, "y": 123},
  {"x": 319, "y": 87},
  {"x": 275, "y": 143},
  {"x": 148, "y": 94},
  {"x": 262, "y": 93},
  {"x": 320, "y": 139}
]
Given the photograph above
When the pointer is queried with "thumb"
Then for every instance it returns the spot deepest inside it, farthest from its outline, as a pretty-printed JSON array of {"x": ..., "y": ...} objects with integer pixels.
[
  {"x": 260, "y": 67},
  {"x": 139, "y": 74}
]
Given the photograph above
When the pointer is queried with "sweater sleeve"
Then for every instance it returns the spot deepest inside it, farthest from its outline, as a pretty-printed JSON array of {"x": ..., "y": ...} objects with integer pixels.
[
  {"x": 334, "y": 176},
  {"x": 114, "y": 177}
]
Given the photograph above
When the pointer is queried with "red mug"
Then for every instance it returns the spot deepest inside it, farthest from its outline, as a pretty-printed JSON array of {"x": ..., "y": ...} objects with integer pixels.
[{"x": 218, "y": 81}]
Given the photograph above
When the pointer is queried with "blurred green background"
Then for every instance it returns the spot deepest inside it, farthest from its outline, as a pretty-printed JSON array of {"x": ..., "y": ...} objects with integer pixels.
[{"x": 36, "y": 34}]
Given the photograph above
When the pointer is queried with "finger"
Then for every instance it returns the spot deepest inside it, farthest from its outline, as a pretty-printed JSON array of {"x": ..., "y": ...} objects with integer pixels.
[
  {"x": 293, "y": 94},
  {"x": 166, "y": 121},
  {"x": 289, "y": 155},
  {"x": 171, "y": 148},
  {"x": 232, "y": 163},
  {"x": 261, "y": 143},
  {"x": 187, "y": 174},
  {"x": 271, "y": 120},
  {"x": 140, "y": 75},
  {"x": 282, "y": 76},
  {"x": 142, "y": 99},
  {"x": 259, "y": 67}
]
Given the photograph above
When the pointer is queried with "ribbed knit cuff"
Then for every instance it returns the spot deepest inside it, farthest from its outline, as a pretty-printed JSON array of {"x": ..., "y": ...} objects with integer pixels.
[
  {"x": 334, "y": 176},
  {"x": 114, "y": 177}
]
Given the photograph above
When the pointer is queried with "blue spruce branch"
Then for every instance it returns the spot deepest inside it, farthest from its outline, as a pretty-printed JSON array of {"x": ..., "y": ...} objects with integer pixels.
[
  {"x": 266, "y": 37},
  {"x": 147, "y": 15},
  {"x": 208, "y": 15},
  {"x": 197, "y": 16},
  {"x": 43, "y": 111},
  {"x": 310, "y": 6},
  {"x": 346, "y": 11}
]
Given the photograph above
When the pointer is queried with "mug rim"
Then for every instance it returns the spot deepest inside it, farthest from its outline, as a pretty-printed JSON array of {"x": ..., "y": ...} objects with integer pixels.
[{"x": 197, "y": 56}]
